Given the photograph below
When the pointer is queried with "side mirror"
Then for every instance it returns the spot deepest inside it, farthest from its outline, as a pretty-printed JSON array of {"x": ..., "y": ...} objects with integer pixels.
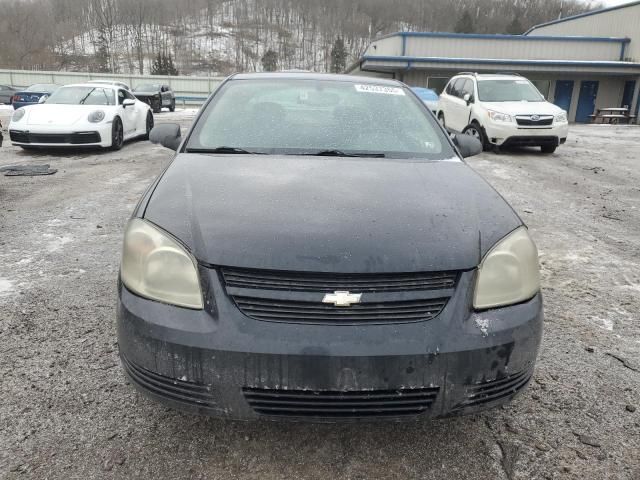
[
  {"x": 468, "y": 146},
  {"x": 468, "y": 98},
  {"x": 128, "y": 103},
  {"x": 166, "y": 134}
]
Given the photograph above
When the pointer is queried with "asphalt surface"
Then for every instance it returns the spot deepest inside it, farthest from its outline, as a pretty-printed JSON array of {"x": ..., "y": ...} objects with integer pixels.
[{"x": 66, "y": 410}]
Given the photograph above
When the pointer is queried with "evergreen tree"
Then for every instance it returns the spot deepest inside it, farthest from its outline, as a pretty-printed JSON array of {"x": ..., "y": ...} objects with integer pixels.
[
  {"x": 163, "y": 65},
  {"x": 338, "y": 56},
  {"x": 464, "y": 23},
  {"x": 269, "y": 61},
  {"x": 515, "y": 27}
]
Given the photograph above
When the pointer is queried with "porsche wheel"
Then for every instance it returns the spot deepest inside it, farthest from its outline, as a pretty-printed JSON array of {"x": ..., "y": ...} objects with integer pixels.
[
  {"x": 117, "y": 134},
  {"x": 149, "y": 125}
]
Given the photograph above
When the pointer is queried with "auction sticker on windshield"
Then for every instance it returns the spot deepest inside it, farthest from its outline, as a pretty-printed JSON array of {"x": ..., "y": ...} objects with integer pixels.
[{"x": 379, "y": 89}]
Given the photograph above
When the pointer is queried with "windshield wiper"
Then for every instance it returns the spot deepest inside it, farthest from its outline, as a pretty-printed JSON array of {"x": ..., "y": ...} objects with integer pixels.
[
  {"x": 340, "y": 153},
  {"x": 231, "y": 150}
]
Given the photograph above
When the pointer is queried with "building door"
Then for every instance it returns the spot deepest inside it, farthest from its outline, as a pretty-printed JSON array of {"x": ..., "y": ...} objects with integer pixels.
[
  {"x": 586, "y": 101},
  {"x": 627, "y": 96},
  {"x": 564, "y": 91}
]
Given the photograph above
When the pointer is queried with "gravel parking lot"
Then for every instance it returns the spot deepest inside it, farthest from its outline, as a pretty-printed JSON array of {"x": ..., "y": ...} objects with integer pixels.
[{"x": 66, "y": 410}]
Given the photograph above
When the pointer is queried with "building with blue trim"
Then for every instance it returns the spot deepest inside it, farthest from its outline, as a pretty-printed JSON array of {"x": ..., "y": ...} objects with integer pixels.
[{"x": 581, "y": 63}]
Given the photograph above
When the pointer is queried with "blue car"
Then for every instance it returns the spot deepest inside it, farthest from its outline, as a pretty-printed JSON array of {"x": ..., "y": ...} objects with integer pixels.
[
  {"x": 33, "y": 94},
  {"x": 428, "y": 96}
]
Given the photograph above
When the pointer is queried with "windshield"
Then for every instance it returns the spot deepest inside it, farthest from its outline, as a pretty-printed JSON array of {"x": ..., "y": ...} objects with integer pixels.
[
  {"x": 298, "y": 116},
  {"x": 82, "y": 96},
  {"x": 508, "y": 91},
  {"x": 41, "y": 87},
  {"x": 147, "y": 87}
]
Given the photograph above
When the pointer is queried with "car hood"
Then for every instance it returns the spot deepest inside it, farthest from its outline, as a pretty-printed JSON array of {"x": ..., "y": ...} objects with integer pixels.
[
  {"x": 523, "y": 108},
  {"x": 330, "y": 214},
  {"x": 58, "y": 114}
]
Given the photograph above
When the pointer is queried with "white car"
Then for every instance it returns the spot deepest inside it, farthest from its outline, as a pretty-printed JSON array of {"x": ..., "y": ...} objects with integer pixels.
[
  {"x": 82, "y": 115},
  {"x": 502, "y": 110}
]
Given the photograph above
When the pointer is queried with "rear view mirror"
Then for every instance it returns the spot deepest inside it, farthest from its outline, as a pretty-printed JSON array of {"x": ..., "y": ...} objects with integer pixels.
[
  {"x": 128, "y": 102},
  {"x": 166, "y": 134},
  {"x": 467, "y": 98},
  {"x": 468, "y": 146}
]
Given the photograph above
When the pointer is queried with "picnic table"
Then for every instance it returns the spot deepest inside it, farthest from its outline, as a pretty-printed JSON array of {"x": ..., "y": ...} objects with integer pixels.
[{"x": 612, "y": 115}]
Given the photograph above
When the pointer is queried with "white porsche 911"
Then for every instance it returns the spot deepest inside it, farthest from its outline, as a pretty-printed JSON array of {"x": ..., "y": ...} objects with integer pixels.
[{"x": 82, "y": 115}]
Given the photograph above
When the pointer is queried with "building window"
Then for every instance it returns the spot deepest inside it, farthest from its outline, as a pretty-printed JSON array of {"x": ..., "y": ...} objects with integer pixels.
[{"x": 437, "y": 83}]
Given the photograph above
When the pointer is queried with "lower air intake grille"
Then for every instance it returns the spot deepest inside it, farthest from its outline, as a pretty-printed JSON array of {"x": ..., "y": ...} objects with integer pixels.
[
  {"x": 497, "y": 389},
  {"x": 328, "y": 404},
  {"x": 310, "y": 312},
  {"x": 191, "y": 393}
]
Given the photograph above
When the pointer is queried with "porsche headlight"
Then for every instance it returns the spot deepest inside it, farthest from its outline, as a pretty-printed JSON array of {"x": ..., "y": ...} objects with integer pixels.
[
  {"x": 18, "y": 114},
  {"x": 96, "y": 116},
  {"x": 561, "y": 118},
  {"x": 499, "y": 117},
  {"x": 156, "y": 266},
  {"x": 509, "y": 272}
]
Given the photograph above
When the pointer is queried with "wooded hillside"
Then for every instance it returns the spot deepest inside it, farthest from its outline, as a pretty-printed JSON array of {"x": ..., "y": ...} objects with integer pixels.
[{"x": 222, "y": 36}]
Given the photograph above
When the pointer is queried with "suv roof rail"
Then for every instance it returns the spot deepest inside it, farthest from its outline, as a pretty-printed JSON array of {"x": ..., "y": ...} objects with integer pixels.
[
  {"x": 468, "y": 73},
  {"x": 508, "y": 73}
]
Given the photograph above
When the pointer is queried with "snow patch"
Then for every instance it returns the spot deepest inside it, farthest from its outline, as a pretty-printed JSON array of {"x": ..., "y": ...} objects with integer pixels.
[
  {"x": 56, "y": 243},
  {"x": 604, "y": 323},
  {"x": 6, "y": 286}
]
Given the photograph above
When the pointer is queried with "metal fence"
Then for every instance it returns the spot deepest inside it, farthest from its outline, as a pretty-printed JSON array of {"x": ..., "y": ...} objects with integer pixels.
[{"x": 188, "y": 90}]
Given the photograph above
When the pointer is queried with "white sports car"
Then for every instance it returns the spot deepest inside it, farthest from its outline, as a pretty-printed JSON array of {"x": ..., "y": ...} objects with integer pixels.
[{"x": 82, "y": 115}]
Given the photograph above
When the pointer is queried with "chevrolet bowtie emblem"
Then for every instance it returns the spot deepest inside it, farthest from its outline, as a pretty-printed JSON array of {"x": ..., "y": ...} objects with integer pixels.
[{"x": 342, "y": 299}]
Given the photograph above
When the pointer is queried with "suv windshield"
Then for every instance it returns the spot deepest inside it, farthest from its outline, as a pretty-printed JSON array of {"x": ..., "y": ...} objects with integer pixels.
[
  {"x": 82, "y": 96},
  {"x": 520, "y": 90},
  {"x": 299, "y": 116}
]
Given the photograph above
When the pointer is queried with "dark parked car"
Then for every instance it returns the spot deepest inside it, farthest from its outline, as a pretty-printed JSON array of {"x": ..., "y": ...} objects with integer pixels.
[
  {"x": 33, "y": 94},
  {"x": 156, "y": 95},
  {"x": 318, "y": 250},
  {"x": 6, "y": 94}
]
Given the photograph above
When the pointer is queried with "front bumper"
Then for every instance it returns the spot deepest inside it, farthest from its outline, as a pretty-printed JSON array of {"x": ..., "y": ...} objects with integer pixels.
[
  {"x": 44, "y": 136},
  {"x": 223, "y": 363},
  {"x": 514, "y": 135}
]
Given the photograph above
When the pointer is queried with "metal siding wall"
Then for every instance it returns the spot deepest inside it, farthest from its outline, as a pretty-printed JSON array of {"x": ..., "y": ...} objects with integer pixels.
[
  {"x": 391, "y": 45},
  {"x": 183, "y": 86},
  {"x": 623, "y": 22},
  {"x": 511, "y": 49}
]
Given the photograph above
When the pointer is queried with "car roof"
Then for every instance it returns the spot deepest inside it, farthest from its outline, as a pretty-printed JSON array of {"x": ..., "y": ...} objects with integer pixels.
[
  {"x": 94, "y": 85},
  {"x": 492, "y": 76},
  {"x": 317, "y": 76}
]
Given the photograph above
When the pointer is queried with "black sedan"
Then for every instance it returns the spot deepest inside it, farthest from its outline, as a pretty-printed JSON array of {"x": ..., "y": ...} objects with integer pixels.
[
  {"x": 33, "y": 94},
  {"x": 319, "y": 250},
  {"x": 156, "y": 95}
]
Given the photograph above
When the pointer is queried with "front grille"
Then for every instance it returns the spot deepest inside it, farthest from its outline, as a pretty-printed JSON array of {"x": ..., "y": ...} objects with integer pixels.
[
  {"x": 527, "y": 121},
  {"x": 76, "y": 138},
  {"x": 329, "y": 282},
  {"x": 296, "y": 311},
  {"x": 191, "y": 393},
  {"x": 333, "y": 404},
  {"x": 490, "y": 391}
]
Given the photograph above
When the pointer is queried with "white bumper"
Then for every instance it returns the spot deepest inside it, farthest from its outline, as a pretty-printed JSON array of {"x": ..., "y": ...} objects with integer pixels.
[
  {"x": 511, "y": 133},
  {"x": 96, "y": 135}
]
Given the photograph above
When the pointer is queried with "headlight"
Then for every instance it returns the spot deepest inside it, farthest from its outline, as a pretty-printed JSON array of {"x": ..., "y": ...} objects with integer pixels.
[
  {"x": 499, "y": 117},
  {"x": 18, "y": 114},
  {"x": 561, "y": 118},
  {"x": 96, "y": 116},
  {"x": 509, "y": 272},
  {"x": 156, "y": 266}
]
